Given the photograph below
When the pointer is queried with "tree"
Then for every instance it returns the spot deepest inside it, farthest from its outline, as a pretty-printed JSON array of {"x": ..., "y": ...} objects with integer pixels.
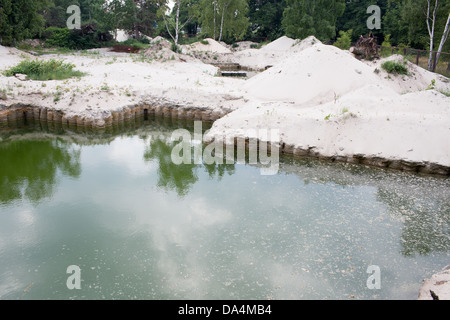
[
  {"x": 224, "y": 19},
  {"x": 431, "y": 22},
  {"x": 444, "y": 38},
  {"x": 265, "y": 18},
  {"x": 174, "y": 24},
  {"x": 344, "y": 40},
  {"x": 21, "y": 19},
  {"x": 303, "y": 18}
]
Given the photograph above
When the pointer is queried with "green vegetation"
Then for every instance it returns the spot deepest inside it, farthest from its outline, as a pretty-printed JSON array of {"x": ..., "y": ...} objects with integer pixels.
[
  {"x": 303, "y": 18},
  {"x": 44, "y": 70},
  {"x": 344, "y": 40},
  {"x": 395, "y": 67},
  {"x": 140, "y": 44},
  {"x": 403, "y": 21}
]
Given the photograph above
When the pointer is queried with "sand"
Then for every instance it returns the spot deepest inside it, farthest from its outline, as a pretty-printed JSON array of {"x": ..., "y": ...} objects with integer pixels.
[
  {"x": 318, "y": 97},
  {"x": 213, "y": 46}
]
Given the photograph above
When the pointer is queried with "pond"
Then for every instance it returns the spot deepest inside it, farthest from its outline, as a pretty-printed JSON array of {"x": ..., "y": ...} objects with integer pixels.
[{"x": 139, "y": 226}]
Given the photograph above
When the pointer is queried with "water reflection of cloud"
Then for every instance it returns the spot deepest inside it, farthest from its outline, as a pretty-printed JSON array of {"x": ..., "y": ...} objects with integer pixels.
[{"x": 123, "y": 152}]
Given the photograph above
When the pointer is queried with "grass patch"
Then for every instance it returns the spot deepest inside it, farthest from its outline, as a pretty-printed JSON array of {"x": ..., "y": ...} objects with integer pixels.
[
  {"x": 44, "y": 70},
  {"x": 395, "y": 67}
]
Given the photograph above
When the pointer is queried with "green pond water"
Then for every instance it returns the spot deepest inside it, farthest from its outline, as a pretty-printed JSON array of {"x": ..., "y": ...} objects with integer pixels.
[{"x": 140, "y": 227}]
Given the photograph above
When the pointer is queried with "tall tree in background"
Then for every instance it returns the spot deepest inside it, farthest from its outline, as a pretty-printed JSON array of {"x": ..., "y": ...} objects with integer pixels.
[
  {"x": 444, "y": 38},
  {"x": 265, "y": 18},
  {"x": 174, "y": 24},
  {"x": 303, "y": 18},
  {"x": 21, "y": 19},
  {"x": 224, "y": 19},
  {"x": 133, "y": 16}
]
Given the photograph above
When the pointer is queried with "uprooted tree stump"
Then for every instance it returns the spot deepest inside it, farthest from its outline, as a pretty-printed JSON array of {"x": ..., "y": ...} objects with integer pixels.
[{"x": 365, "y": 48}]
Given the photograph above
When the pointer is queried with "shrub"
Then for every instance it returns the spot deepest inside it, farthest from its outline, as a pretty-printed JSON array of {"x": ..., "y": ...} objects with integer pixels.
[
  {"x": 205, "y": 42},
  {"x": 344, "y": 40},
  {"x": 387, "y": 41},
  {"x": 57, "y": 37},
  {"x": 395, "y": 67},
  {"x": 175, "y": 48},
  {"x": 65, "y": 38},
  {"x": 135, "y": 43},
  {"x": 44, "y": 70}
]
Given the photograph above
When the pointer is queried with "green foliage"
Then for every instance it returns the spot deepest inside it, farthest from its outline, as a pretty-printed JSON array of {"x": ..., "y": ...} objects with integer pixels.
[
  {"x": 57, "y": 37},
  {"x": 205, "y": 42},
  {"x": 395, "y": 67},
  {"x": 175, "y": 48},
  {"x": 387, "y": 41},
  {"x": 20, "y": 19},
  {"x": 303, "y": 18},
  {"x": 344, "y": 40},
  {"x": 233, "y": 13},
  {"x": 71, "y": 39},
  {"x": 401, "y": 48},
  {"x": 265, "y": 19},
  {"x": 44, "y": 70},
  {"x": 135, "y": 43}
]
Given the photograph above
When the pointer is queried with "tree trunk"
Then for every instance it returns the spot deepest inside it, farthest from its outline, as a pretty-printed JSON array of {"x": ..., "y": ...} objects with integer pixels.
[
  {"x": 177, "y": 22},
  {"x": 444, "y": 38},
  {"x": 214, "y": 15},
  {"x": 221, "y": 23},
  {"x": 431, "y": 31},
  {"x": 135, "y": 24}
]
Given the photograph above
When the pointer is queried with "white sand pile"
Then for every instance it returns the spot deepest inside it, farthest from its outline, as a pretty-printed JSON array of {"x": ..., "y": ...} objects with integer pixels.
[
  {"x": 315, "y": 75},
  {"x": 213, "y": 46},
  {"x": 281, "y": 44},
  {"x": 374, "y": 121},
  {"x": 160, "y": 49},
  {"x": 272, "y": 53}
]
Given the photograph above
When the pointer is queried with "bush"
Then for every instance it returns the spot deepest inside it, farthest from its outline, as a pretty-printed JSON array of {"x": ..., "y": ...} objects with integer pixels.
[
  {"x": 395, "y": 67},
  {"x": 57, "y": 37},
  {"x": 387, "y": 41},
  {"x": 71, "y": 39},
  {"x": 344, "y": 41},
  {"x": 44, "y": 70},
  {"x": 135, "y": 43},
  {"x": 205, "y": 42}
]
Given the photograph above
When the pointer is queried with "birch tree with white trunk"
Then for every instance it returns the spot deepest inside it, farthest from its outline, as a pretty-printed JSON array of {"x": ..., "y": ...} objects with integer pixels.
[
  {"x": 444, "y": 38},
  {"x": 431, "y": 21}
]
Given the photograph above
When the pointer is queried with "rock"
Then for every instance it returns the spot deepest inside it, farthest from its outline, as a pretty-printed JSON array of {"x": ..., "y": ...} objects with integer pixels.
[
  {"x": 437, "y": 287},
  {"x": 21, "y": 76}
]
